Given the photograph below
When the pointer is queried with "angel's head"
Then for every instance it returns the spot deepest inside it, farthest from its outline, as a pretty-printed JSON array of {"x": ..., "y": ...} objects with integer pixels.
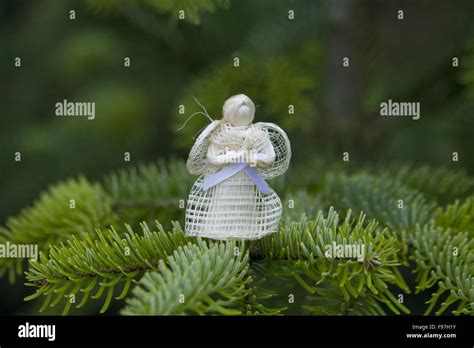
[{"x": 238, "y": 110}]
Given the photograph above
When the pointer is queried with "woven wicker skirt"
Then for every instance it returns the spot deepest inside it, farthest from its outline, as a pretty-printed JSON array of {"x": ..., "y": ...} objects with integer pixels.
[{"x": 232, "y": 209}]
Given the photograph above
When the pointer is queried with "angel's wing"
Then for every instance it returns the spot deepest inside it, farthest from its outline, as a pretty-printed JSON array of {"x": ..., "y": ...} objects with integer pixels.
[
  {"x": 197, "y": 162},
  {"x": 281, "y": 145}
]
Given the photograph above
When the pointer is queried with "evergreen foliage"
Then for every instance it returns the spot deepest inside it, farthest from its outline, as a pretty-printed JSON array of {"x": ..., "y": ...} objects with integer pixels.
[
  {"x": 446, "y": 261},
  {"x": 88, "y": 252},
  {"x": 418, "y": 219},
  {"x": 54, "y": 218},
  {"x": 195, "y": 279},
  {"x": 82, "y": 265}
]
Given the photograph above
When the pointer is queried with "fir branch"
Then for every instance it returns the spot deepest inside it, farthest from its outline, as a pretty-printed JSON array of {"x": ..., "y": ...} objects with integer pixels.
[
  {"x": 256, "y": 298},
  {"x": 66, "y": 209},
  {"x": 379, "y": 198},
  {"x": 304, "y": 246},
  {"x": 147, "y": 182},
  {"x": 330, "y": 301},
  {"x": 151, "y": 204},
  {"x": 82, "y": 265},
  {"x": 147, "y": 192},
  {"x": 446, "y": 260},
  {"x": 441, "y": 185},
  {"x": 144, "y": 192},
  {"x": 458, "y": 217},
  {"x": 301, "y": 202},
  {"x": 97, "y": 262},
  {"x": 196, "y": 279}
]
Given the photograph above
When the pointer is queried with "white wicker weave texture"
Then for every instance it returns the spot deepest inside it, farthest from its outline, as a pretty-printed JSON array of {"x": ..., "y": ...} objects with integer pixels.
[{"x": 230, "y": 199}]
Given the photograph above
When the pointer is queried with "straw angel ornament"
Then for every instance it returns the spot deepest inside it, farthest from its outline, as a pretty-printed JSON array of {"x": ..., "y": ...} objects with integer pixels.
[{"x": 233, "y": 156}]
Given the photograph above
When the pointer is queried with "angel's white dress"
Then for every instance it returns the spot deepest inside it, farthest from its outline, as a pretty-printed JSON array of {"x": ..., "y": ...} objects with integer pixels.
[{"x": 238, "y": 205}]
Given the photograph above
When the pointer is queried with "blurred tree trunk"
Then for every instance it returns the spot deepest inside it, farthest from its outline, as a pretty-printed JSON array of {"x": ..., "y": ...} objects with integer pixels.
[{"x": 344, "y": 87}]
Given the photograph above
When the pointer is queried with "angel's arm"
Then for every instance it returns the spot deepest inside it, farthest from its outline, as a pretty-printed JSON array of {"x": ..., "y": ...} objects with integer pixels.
[
  {"x": 265, "y": 156},
  {"x": 218, "y": 155},
  {"x": 281, "y": 149},
  {"x": 197, "y": 161}
]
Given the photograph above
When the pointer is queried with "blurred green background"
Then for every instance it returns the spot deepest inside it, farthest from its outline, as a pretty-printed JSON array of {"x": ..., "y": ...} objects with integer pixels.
[{"x": 283, "y": 62}]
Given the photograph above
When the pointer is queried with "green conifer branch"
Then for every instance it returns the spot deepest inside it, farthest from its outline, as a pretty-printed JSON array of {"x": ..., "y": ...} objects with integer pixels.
[
  {"x": 258, "y": 294},
  {"x": 441, "y": 185},
  {"x": 196, "y": 279},
  {"x": 144, "y": 192},
  {"x": 148, "y": 192},
  {"x": 149, "y": 182},
  {"x": 381, "y": 198},
  {"x": 445, "y": 260},
  {"x": 66, "y": 209},
  {"x": 93, "y": 262},
  {"x": 330, "y": 300},
  {"x": 458, "y": 217},
  {"x": 84, "y": 265},
  {"x": 304, "y": 245}
]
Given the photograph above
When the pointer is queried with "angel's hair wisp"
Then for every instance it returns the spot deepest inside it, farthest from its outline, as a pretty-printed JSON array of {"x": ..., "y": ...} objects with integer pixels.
[{"x": 205, "y": 113}]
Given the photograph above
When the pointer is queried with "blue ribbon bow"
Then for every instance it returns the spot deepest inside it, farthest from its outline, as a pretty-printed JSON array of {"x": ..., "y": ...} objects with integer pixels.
[{"x": 227, "y": 172}]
